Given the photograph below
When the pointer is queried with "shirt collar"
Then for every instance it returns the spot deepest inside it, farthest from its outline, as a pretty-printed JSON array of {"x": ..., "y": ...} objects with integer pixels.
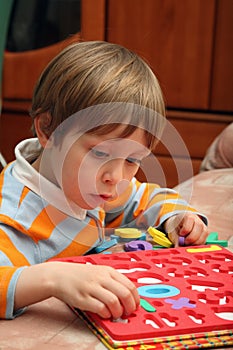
[{"x": 25, "y": 152}]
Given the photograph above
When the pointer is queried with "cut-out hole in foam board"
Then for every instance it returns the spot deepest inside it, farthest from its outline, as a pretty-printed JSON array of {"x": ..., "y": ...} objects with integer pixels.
[{"x": 207, "y": 286}]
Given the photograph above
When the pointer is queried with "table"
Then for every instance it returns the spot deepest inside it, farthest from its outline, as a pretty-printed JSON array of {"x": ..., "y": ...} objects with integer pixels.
[
  {"x": 48, "y": 325},
  {"x": 51, "y": 325}
]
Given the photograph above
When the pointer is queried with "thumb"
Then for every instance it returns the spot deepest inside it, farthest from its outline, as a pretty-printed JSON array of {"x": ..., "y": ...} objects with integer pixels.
[{"x": 174, "y": 238}]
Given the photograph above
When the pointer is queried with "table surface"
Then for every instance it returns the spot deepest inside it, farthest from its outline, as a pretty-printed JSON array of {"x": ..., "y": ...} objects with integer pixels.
[{"x": 52, "y": 325}]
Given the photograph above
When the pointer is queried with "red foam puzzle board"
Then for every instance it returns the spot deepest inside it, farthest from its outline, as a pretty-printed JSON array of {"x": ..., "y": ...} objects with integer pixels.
[{"x": 190, "y": 288}]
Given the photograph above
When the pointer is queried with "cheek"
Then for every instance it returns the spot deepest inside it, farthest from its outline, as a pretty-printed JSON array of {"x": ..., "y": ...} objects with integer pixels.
[
  {"x": 131, "y": 171},
  {"x": 87, "y": 173},
  {"x": 90, "y": 168},
  {"x": 86, "y": 179},
  {"x": 69, "y": 179},
  {"x": 70, "y": 170}
]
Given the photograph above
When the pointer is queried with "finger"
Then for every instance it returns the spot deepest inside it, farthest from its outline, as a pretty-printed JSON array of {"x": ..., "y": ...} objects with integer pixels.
[
  {"x": 174, "y": 238},
  {"x": 111, "y": 302},
  {"x": 125, "y": 296},
  {"x": 94, "y": 305},
  {"x": 187, "y": 225},
  {"x": 198, "y": 235},
  {"x": 125, "y": 290},
  {"x": 121, "y": 278}
]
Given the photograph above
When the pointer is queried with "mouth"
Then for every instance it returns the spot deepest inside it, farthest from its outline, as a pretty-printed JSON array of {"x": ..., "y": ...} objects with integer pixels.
[
  {"x": 100, "y": 199},
  {"x": 107, "y": 197}
]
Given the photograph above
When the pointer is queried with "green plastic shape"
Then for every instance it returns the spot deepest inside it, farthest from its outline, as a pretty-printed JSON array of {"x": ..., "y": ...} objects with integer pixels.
[
  {"x": 213, "y": 239},
  {"x": 147, "y": 306}
]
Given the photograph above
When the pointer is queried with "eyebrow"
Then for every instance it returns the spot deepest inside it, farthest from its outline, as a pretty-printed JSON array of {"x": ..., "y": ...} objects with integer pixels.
[{"x": 98, "y": 139}]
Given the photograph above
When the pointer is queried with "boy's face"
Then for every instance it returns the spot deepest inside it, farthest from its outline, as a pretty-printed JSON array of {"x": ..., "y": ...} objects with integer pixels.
[{"x": 97, "y": 169}]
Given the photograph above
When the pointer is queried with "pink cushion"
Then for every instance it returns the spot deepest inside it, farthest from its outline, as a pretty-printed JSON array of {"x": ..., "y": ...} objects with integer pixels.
[
  {"x": 211, "y": 193},
  {"x": 220, "y": 153}
]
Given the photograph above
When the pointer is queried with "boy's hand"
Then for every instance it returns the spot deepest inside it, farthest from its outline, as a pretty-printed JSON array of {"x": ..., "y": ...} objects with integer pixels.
[
  {"x": 187, "y": 225},
  {"x": 99, "y": 289}
]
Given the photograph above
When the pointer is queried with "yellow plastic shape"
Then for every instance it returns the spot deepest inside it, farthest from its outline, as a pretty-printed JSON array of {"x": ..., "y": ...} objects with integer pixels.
[
  {"x": 159, "y": 237},
  {"x": 204, "y": 249},
  {"x": 163, "y": 241},
  {"x": 154, "y": 232},
  {"x": 128, "y": 232}
]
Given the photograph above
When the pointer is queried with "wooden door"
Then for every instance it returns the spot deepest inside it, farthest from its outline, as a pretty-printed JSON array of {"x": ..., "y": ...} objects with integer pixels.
[
  {"x": 221, "y": 95},
  {"x": 22, "y": 69},
  {"x": 175, "y": 37}
]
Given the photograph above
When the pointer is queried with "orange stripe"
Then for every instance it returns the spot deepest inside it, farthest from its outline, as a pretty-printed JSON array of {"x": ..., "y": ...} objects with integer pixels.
[
  {"x": 102, "y": 215},
  {"x": 2, "y": 181},
  {"x": 6, "y": 273},
  {"x": 137, "y": 184},
  {"x": 143, "y": 202},
  {"x": 163, "y": 197},
  {"x": 82, "y": 242},
  {"x": 23, "y": 194},
  {"x": 44, "y": 224},
  {"x": 7, "y": 247},
  {"x": 9, "y": 221},
  {"x": 116, "y": 222},
  {"x": 171, "y": 207},
  {"x": 73, "y": 249},
  {"x": 88, "y": 235}
]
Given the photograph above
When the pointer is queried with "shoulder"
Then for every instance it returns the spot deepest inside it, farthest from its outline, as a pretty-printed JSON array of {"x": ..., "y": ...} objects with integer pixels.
[{"x": 13, "y": 193}]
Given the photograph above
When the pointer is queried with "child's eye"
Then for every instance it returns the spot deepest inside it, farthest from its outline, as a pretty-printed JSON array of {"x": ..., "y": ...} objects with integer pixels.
[
  {"x": 99, "y": 154},
  {"x": 134, "y": 161}
]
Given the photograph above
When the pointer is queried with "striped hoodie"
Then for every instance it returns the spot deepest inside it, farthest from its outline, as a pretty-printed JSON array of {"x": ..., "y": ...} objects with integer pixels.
[{"x": 32, "y": 230}]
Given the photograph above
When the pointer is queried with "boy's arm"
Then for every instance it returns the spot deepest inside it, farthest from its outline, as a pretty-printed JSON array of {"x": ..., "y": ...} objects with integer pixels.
[
  {"x": 12, "y": 262},
  {"x": 149, "y": 205},
  {"x": 8, "y": 280},
  {"x": 98, "y": 289},
  {"x": 95, "y": 288}
]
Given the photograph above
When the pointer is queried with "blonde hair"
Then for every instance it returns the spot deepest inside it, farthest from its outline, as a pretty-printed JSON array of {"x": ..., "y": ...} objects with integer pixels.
[{"x": 91, "y": 73}]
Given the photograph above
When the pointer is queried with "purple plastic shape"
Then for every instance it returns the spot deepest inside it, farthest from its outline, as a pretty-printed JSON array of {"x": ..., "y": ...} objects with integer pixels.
[
  {"x": 181, "y": 241},
  {"x": 180, "y": 303},
  {"x": 137, "y": 245}
]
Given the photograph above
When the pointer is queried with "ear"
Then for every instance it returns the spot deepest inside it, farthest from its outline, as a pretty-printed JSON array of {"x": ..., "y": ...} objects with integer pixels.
[{"x": 41, "y": 124}]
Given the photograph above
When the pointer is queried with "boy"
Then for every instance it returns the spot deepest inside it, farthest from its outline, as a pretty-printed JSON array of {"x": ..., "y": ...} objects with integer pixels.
[{"x": 98, "y": 111}]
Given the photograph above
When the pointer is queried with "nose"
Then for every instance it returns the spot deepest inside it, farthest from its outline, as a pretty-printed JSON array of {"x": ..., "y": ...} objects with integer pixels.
[{"x": 113, "y": 171}]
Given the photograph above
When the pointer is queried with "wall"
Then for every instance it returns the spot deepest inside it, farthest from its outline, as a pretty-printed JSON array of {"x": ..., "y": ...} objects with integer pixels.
[{"x": 187, "y": 43}]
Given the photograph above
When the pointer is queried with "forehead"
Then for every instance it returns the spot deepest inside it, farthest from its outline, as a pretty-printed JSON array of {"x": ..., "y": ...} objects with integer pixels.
[
  {"x": 124, "y": 130},
  {"x": 135, "y": 142},
  {"x": 120, "y": 133}
]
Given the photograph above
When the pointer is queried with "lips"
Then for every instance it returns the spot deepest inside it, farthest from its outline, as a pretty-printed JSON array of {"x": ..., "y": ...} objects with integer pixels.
[
  {"x": 100, "y": 199},
  {"x": 106, "y": 197}
]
